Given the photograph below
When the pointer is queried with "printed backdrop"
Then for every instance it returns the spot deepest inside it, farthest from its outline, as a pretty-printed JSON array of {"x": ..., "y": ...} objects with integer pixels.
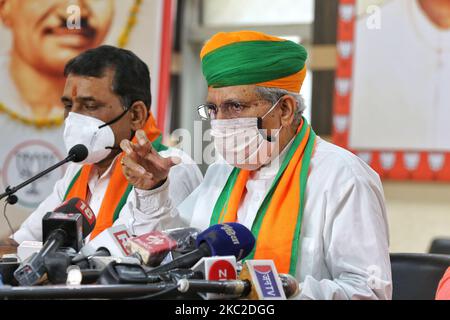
[
  {"x": 35, "y": 45},
  {"x": 392, "y": 102}
]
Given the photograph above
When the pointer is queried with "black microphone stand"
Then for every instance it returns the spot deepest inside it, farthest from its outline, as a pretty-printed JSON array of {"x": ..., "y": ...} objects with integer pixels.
[
  {"x": 9, "y": 193},
  {"x": 119, "y": 291}
]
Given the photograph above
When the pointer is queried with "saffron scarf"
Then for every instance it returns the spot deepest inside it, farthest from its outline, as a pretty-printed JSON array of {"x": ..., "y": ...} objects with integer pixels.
[
  {"x": 118, "y": 187},
  {"x": 278, "y": 222}
]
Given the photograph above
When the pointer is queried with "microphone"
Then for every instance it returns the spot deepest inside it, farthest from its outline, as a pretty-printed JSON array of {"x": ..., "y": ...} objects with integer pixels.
[
  {"x": 224, "y": 240},
  {"x": 7, "y": 268},
  {"x": 185, "y": 238},
  {"x": 259, "y": 280},
  {"x": 264, "y": 279},
  {"x": 108, "y": 246},
  {"x": 216, "y": 269},
  {"x": 110, "y": 242},
  {"x": 126, "y": 272},
  {"x": 56, "y": 264},
  {"x": 235, "y": 288},
  {"x": 115, "y": 245},
  {"x": 69, "y": 208},
  {"x": 67, "y": 228},
  {"x": 94, "y": 266},
  {"x": 130, "y": 273},
  {"x": 154, "y": 246},
  {"x": 77, "y": 153},
  {"x": 230, "y": 239},
  {"x": 84, "y": 292},
  {"x": 27, "y": 248}
]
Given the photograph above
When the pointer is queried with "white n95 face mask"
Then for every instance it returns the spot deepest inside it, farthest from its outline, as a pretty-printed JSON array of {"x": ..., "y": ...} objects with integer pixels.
[
  {"x": 95, "y": 134},
  {"x": 241, "y": 143}
]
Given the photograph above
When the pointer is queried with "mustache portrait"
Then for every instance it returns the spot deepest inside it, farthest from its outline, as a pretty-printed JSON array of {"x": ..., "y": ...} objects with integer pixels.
[{"x": 41, "y": 45}]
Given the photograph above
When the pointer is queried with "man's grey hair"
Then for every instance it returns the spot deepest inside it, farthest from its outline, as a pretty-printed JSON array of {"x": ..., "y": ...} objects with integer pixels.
[{"x": 274, "y": 94}]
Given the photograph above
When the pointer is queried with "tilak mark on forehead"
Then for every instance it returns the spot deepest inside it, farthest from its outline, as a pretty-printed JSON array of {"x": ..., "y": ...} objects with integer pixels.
[{"x": 74, "y": 91}]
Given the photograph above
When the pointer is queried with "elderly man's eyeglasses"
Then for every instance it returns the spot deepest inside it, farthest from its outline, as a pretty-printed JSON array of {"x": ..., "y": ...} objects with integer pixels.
[{"x": 230, "y": 109}]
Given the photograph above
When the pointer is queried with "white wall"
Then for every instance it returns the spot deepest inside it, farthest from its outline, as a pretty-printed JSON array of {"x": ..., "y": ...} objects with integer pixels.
[
  {"x": 417, "y": 213},
  {"x": 257, "y": 12}
]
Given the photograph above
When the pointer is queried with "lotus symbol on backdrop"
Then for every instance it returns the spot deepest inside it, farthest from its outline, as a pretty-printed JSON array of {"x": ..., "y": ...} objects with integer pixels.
[{"x": 30, "y": 163}]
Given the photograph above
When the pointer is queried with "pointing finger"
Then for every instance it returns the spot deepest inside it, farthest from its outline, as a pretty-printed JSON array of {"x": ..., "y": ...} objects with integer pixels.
[
  {"x": 125, "y": 145},
  {"x": 142, "y": 138},
  {"x": 144, "y": 145}
]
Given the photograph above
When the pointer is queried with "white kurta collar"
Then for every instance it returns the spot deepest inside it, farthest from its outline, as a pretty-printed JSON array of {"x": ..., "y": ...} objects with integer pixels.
[{"x": 94, "y": 178}]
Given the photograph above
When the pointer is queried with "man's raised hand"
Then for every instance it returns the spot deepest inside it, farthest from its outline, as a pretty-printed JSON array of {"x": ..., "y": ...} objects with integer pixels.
[{"x": 142, "y": 165}]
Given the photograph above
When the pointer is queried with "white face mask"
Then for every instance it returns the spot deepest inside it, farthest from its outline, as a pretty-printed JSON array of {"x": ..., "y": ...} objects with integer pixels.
[
  {"x": 241, "y": 143},
  {"x": 95, "y": 134}
]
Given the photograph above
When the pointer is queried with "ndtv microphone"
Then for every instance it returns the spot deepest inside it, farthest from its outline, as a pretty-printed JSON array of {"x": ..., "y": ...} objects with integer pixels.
[{"x": 264, "y": 279}]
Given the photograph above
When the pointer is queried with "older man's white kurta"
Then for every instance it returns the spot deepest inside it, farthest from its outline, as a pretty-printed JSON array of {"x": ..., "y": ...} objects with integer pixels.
[{"x": 344, "y": 250}]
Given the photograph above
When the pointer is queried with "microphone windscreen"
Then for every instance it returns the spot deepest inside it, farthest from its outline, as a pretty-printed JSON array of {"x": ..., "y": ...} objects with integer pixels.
[
  {"x": 56, "y": 264},
  {"x": 77, "y": 205},
  {"x": 185, "y": 238},
  {"x": 229, "y": 239},
  {"x": 79, "y": 152}
]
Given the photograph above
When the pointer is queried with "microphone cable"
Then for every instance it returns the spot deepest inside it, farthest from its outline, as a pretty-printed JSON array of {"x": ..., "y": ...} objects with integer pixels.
[
  {"x": 7, "y": 220},
  {"x": 171, "y": 289}
]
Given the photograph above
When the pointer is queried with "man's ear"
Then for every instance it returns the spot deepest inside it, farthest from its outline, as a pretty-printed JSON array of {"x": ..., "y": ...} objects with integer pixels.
[
  {"x": 288, "y": 106},
  {"x": 138, "y": 115},
  {"x": 5, "y": 12}
]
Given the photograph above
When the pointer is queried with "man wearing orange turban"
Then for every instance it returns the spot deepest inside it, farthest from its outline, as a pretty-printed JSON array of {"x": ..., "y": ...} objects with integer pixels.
[{"x": 315, "y": 209}]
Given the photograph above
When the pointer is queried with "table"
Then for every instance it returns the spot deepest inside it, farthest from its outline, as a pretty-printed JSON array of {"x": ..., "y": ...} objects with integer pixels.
[{"x": 6, "y": 249}]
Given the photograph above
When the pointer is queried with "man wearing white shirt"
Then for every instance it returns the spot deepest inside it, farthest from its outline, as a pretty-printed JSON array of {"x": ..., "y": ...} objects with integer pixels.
[
  {"x": 317, "y": 210},
  {"x": 400, "y": 97},
  {"x": 107, "y": 99}
]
